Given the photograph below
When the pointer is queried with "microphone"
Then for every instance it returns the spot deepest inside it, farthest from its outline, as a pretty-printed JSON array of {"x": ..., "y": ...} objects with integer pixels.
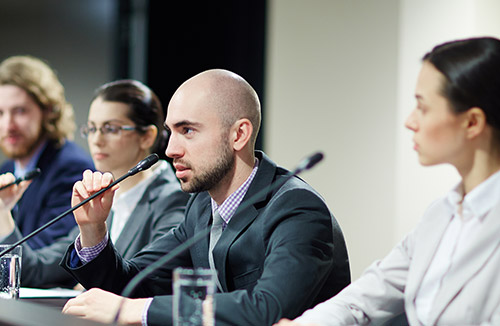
[
  {"x": 28, "y": 176},
  {"x": 305, "y": 164},
  {"x": 141, "y": 166}
]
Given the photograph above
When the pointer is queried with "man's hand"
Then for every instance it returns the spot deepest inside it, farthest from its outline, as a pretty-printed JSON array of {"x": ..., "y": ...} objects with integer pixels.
[
  {"x": 101, "y": 306},
  {"x": 8, "y": 199},
  {"x": 91, "y": 217}
]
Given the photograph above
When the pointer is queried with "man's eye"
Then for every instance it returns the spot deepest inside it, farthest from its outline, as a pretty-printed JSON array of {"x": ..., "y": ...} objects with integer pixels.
[
  {"x": 188, "y": 131},
  {"x": 19, "y": 111}
]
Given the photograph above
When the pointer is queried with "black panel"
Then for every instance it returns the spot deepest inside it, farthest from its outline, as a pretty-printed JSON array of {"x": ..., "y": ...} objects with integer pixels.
[{"x": 187, "y": 37}]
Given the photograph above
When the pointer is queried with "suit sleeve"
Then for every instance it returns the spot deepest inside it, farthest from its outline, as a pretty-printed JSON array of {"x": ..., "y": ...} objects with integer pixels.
[
  {"x": 376, "y": 297},
  {"x": 110, "y": 272},
  {"x": 40, "y": 268}
]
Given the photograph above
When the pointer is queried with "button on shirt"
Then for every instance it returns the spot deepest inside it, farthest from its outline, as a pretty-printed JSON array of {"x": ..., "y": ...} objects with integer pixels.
[{"x": 468, "y": 214}]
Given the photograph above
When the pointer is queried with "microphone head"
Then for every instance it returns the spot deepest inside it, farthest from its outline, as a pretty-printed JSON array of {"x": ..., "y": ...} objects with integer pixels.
[
  {"x": 144, "y": 164},
  {"x": 308, "y": 162},
  {"x": 314, "y": 159},
  {"x": 30, "y": 175}
]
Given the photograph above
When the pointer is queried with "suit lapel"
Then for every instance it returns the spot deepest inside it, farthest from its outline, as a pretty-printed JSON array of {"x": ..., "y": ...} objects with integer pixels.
[
  {"x": 479, "y": 250},
  {"x": 204, "y": 221},
  {"x": 245, "y": 214},
  {"x": 134, "y": 225},
  {"x": 236, "y": 226},
  {"x": 427, "y": 240}
]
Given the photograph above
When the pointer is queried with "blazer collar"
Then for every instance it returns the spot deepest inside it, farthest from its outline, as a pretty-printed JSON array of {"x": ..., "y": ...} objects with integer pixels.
[
  {"x": 477, "y": 254},
  {"x": 141, "y": 211},
  {"x": 431, "y": 229},
  {"x": 245, "y": 214}
]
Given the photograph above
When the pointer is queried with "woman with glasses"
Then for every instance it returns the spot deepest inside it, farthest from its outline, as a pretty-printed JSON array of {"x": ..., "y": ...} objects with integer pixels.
[
  {"x": 446, "y": 271},
  {"x": 125, "y": 124}
]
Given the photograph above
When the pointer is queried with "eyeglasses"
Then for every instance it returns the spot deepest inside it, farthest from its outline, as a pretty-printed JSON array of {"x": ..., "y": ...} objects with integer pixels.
[{"x": 106, "y": 129}]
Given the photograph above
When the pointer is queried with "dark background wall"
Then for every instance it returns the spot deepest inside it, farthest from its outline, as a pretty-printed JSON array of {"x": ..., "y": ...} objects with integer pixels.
[
  {"x": 185, "y": 38},
  {"x": 77, "y": 38},
  {"x": 161, "y": 43}
]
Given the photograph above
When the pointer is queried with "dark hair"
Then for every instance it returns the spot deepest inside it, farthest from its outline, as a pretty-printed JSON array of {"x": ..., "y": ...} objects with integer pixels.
[
  {"x": 145, "y": 107},
  {"x": 472, "y": 71}
]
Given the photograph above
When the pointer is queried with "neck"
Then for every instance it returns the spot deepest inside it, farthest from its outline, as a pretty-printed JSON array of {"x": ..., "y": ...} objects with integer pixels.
[
  {"x": 482, "y": 166},
  {"x": 243, "y": 167}
]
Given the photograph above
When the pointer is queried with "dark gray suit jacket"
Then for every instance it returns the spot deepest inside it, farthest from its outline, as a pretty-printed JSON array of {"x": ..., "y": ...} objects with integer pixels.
[
  {"x": 281, "y": 253},
  {"x": 160, "y": 209}
]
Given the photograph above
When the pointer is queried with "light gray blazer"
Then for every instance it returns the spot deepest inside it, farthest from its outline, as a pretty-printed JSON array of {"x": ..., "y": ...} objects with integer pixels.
[
  {"x": 469, "y": 295},
  {"x": 160, "y": 209}
]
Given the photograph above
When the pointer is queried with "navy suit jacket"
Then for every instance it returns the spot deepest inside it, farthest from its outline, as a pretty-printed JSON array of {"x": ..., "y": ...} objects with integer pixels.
[
  {"x": 50, "y": 193},
  {"x": 281, "y": 253}
]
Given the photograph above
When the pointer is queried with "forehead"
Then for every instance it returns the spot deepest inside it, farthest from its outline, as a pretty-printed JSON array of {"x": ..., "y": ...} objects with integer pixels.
[
  {"x": 192, "y": 105},
  {"x": 102, "y": 111},
  {"x": 430, "y": 82},
  {"x": 11, "y": 96}
]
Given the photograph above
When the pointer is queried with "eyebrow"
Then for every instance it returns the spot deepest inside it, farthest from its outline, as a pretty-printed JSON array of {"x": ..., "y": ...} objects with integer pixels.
[
  {"x": 108, "y": 121},
  {"x": 182, "y": 123}
]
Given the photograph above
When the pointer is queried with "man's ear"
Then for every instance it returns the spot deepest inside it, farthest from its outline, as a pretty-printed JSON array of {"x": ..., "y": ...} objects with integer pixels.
[
  {"x": 149, "y": 137},
  {"x": 475, "y": 121},
  {"x": 241, "y": 133}
]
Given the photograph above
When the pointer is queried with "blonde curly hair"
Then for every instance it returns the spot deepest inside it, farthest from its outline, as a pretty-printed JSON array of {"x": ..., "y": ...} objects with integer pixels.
[{"x": 41, "y": 83}]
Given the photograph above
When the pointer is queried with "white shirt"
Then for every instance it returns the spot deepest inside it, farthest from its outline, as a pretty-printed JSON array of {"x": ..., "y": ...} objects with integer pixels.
[
  {"x": 124, "y": 205},
  {"x": 467, "y": 217}
]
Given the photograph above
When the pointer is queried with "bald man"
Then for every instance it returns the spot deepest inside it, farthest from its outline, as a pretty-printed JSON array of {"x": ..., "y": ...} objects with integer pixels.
[{"x": 279, "y": 253}]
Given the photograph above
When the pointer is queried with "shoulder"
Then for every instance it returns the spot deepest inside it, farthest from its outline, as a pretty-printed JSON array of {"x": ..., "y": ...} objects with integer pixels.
[
  {"x": 7, "y": 166},
  {"x": 436, "y": 208},
  {"x": 283, "y": 186},
  {"x": 70, "y": 153},
  {"x": 295, "y": 193}
]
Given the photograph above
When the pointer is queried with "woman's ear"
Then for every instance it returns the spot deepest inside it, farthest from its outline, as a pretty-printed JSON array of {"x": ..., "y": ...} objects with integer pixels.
[
  {"x": 149, "y": 137},
  {"x": 241, "y": 133},
  {"x": 475, "y": 122}
]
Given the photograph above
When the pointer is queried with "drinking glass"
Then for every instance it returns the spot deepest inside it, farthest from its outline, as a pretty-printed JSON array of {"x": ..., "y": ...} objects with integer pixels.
[
  {"x": 193, "y": 297},
  {"x": 10, "y": 272}
]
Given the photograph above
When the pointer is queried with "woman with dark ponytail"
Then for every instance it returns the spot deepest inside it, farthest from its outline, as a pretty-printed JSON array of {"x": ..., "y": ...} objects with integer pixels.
[{"x": 446, "y": 271}]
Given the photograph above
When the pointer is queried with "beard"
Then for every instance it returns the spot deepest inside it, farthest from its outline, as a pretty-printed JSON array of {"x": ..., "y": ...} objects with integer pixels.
[
  {"x": 209, "y": 178},
  {"x": 22, "y": 150}
]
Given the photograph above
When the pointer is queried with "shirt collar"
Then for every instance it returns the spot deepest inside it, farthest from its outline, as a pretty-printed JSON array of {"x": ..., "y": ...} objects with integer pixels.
[
  {"x": 19, "y": 171},
  {"x": 228, "y": 207},
  {"x": 479, "y": 201}
]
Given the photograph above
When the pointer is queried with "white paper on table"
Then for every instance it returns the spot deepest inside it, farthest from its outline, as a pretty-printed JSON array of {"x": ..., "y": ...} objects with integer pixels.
[{"x": 33, "y": 293}]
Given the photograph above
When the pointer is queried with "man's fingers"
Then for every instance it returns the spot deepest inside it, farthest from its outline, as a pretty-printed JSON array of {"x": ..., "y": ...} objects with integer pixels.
[{"x": 6, "y": 178}]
